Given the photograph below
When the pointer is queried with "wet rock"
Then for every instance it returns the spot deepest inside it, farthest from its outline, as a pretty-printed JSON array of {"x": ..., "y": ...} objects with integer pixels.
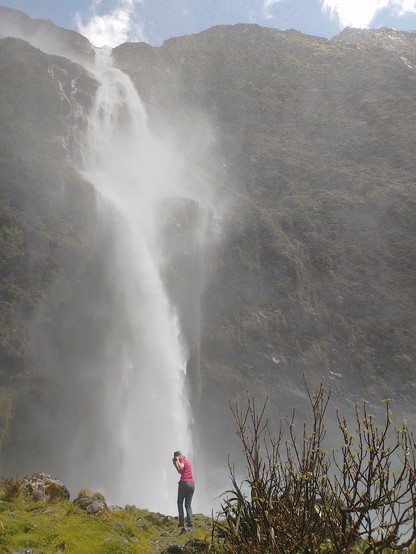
[
  {"x": 94, "y": 504},
  {"x": 115, "y": 508},
  {"x": 44, "y": 487}
]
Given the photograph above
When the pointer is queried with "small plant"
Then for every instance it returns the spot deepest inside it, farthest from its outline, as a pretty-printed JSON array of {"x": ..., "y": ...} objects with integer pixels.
[
  {"x": 10, "y": 488},
  {"x": 297, "y": 497},
  {"x": 89, "y": 494}
]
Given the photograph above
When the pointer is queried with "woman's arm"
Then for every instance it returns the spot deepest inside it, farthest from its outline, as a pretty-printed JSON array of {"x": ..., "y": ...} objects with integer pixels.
[{"x": 178, "y": 465}]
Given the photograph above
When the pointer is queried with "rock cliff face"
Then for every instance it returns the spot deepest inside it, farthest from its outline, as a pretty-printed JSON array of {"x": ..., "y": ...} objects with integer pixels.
[
  {"x": 44, "y": 208},
  {"x": 45, "y": 35},
  {"x": 316, "y": 272},
  {"x": 313, "y": 143}
]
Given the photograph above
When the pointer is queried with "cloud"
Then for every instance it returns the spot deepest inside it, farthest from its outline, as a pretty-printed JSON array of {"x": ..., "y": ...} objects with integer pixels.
[
  {"x": 360, "y": 13},
  {"x": 267, "y": 4},
  {"x": 406, "y": 6},
  {"x": 111, "y": 28}
]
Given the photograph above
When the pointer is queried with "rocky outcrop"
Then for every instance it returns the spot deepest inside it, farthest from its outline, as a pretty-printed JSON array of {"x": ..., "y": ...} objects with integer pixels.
[
  {"x": 43, "y": 487},
  {"x": 92, "y": 503}
]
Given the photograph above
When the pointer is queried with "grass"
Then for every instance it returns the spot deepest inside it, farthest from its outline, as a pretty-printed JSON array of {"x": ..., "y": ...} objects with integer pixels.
[{"x": 61, "y": 526}]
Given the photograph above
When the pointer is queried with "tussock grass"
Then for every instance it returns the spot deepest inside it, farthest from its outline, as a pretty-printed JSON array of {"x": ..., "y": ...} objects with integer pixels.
[{"x": 61, "y": 526}]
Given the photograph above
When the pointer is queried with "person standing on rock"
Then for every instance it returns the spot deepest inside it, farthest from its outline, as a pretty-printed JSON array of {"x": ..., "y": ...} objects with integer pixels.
[{"x": 186, "y": 488}]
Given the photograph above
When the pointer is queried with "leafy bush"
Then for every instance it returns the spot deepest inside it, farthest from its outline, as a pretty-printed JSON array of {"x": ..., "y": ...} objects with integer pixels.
[{"x": 302, "y": 498}]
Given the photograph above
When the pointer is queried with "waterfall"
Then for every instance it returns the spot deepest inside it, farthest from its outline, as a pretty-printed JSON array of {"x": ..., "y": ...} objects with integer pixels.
[{"x": 143, "y": 379}]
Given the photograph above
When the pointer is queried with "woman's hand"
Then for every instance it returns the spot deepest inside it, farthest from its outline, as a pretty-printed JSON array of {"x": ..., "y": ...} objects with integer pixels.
[{"x": 178, "y": 465}]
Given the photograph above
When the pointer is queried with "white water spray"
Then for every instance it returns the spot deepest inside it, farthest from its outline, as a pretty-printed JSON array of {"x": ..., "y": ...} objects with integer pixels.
[{"x": 148, "y": 414}]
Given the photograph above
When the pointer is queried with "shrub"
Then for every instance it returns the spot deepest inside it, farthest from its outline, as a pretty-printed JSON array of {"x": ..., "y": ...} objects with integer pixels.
[
  {"x": 10, "y": 488},
  {"x": 302, "y": 498}
]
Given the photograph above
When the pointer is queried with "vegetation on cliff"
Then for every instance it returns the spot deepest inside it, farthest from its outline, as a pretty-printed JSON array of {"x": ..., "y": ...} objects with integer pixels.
[
  {"x": 316, "y": 270},
  {"x": 313, "y": 144}
]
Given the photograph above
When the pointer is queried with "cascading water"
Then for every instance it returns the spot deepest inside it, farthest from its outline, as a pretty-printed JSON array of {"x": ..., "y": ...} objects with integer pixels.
[{"x": 148, "y": 413}]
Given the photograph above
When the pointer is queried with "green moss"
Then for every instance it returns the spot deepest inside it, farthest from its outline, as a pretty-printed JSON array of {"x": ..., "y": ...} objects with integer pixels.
[{"x": 48, "y": 528}]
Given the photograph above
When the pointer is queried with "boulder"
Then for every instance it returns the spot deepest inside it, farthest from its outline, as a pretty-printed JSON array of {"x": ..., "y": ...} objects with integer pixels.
[
  {"x": 92, "y": 503},
  {"x": 44, "y": 487}
]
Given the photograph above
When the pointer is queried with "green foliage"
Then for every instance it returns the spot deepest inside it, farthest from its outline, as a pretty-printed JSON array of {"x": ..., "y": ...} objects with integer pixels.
[
  {"x": 294, "y": 500},
  {"x": 62, "y": 526}
]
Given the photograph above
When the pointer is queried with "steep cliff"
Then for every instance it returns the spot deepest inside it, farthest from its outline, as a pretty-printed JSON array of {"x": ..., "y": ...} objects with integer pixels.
[
  {"x": 312, "y": 144},
  {"x": 316, "y": 271}
]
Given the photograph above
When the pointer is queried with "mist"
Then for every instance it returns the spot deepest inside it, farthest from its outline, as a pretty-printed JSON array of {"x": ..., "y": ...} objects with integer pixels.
[
  {"x": 117, "y": 362},
  {"x": 244, "y": 221},
  {"x": 133, "y": 173}
]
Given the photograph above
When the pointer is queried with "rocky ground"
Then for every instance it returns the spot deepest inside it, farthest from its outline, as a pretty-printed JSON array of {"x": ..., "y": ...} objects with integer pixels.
[{"x": 36, "y": 517}]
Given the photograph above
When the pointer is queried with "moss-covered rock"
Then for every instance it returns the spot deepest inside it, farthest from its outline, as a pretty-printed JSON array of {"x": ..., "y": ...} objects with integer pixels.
[{"x": 43, "y": 487}]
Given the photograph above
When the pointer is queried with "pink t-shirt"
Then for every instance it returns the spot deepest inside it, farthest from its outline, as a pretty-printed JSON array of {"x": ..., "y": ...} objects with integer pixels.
[{"x": 186, "y": 474}]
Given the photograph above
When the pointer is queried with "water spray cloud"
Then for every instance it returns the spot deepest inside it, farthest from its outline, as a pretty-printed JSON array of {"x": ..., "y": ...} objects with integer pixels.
[
  {"x": 355, "y": 13},
  {"x": 113, "y": 27}
]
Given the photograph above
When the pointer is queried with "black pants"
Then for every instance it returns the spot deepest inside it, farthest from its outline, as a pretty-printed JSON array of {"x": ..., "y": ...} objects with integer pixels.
[{"x": 185, "y": 492}]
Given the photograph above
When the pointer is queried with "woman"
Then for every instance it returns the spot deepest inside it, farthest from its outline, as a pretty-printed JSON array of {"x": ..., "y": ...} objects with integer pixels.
[{"x": 186, "y": 488}]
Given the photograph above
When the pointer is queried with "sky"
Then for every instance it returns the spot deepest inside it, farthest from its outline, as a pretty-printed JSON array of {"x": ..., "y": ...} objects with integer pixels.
[{"x": 112, "y": 22}]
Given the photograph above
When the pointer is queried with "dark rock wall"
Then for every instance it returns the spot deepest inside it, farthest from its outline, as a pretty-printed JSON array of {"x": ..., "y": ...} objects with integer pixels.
[{"x": 315, "y": 273}]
